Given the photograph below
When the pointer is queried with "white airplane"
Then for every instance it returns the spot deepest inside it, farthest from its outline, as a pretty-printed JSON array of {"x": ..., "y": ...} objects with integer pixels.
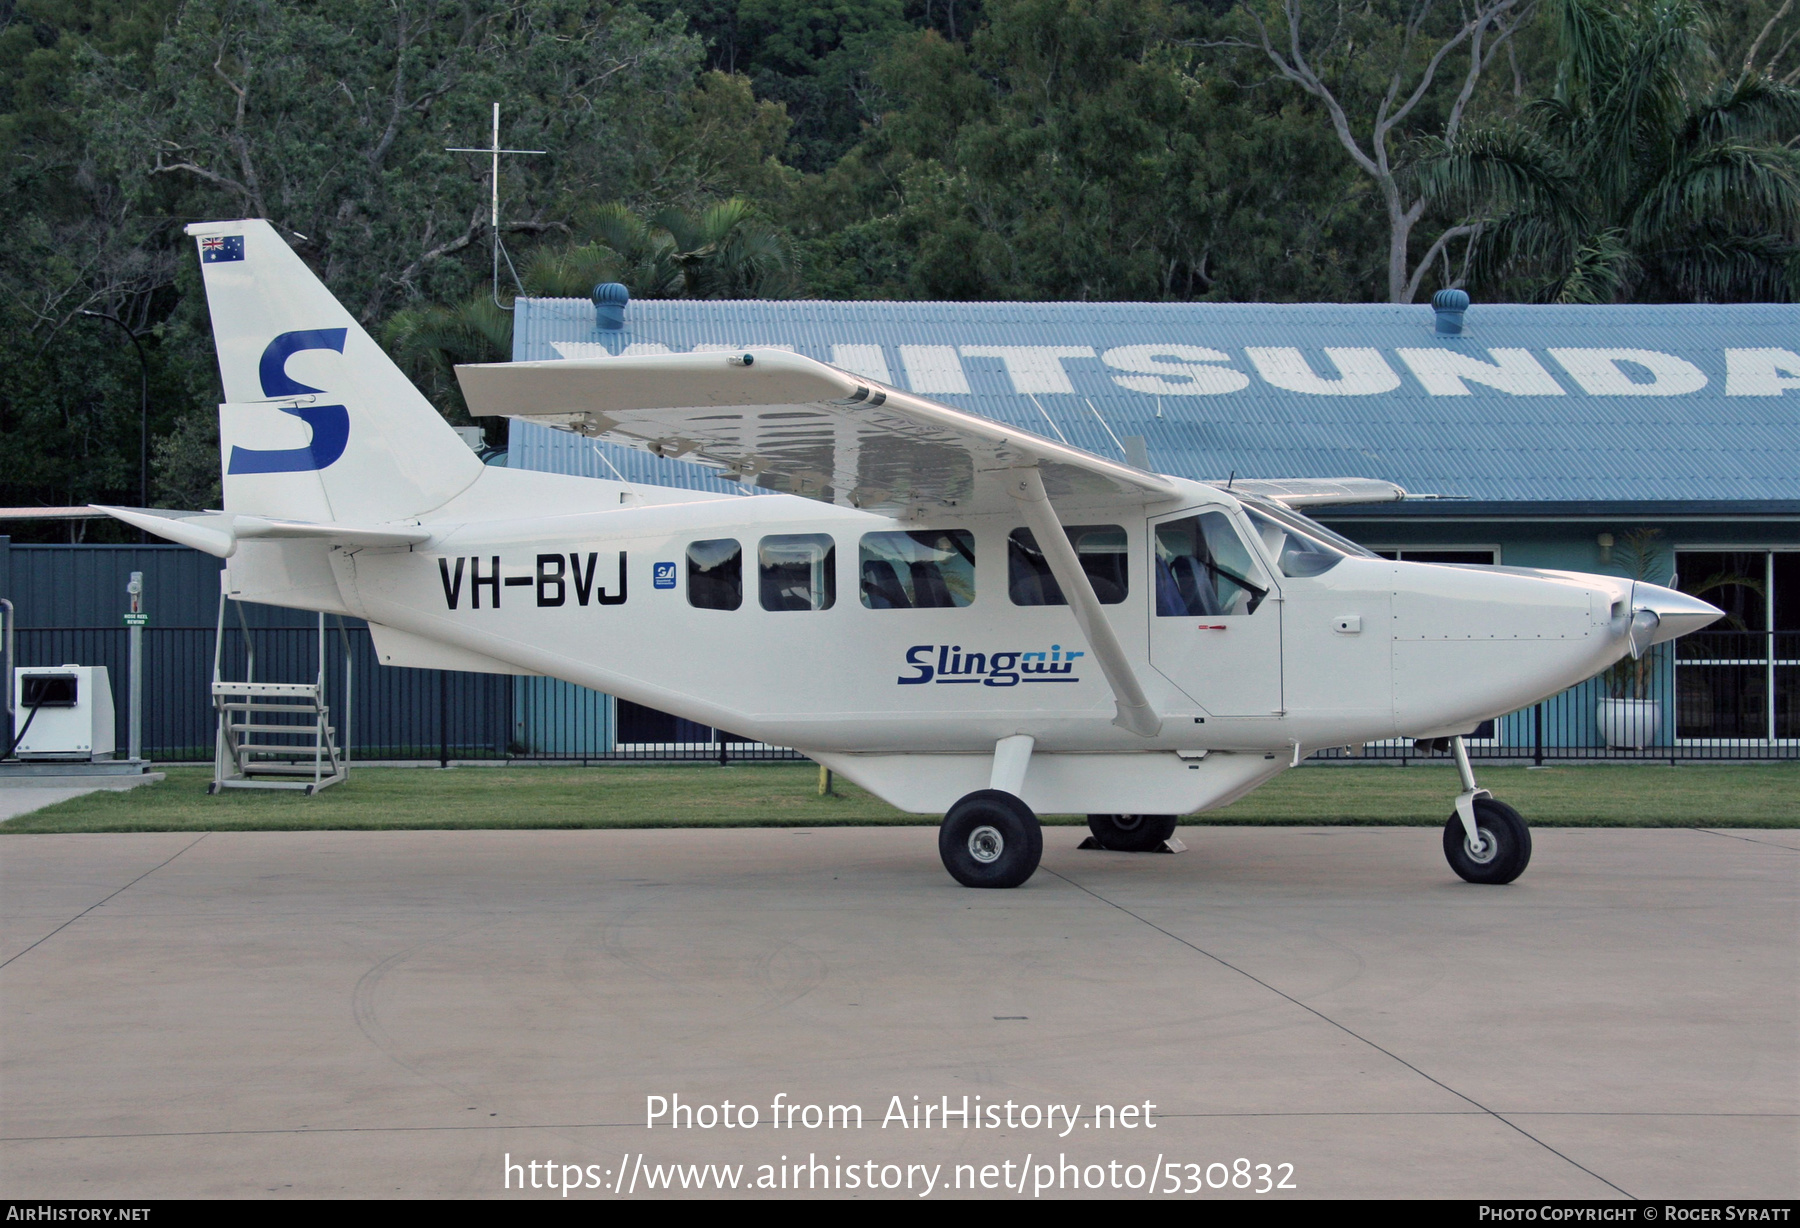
[{"x": 962, "y": 617}]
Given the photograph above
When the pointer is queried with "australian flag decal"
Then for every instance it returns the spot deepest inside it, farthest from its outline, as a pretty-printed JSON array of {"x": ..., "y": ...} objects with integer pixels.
[{"x": 216, "y": 249}]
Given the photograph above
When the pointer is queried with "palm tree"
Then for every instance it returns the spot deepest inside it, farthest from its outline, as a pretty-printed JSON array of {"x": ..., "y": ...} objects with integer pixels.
[
  {"x": 428, "y": 341},
  {"x": 724, "y": 251},
  {"x": 1645, "y": 175}
]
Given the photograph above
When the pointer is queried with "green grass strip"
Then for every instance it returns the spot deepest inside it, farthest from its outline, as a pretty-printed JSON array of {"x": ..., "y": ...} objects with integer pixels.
[{"x": 786, "y": 795}]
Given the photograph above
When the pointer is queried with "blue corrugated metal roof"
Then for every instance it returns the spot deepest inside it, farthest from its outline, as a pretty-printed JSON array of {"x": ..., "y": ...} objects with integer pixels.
[{"x": 1529, "y": 404}]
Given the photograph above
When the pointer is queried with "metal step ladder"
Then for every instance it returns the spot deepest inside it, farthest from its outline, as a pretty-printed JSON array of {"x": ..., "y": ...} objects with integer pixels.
[{"x": 275, "y": 735}]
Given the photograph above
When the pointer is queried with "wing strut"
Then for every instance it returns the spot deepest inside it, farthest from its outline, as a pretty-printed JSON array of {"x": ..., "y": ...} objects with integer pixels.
[{"x": 1135, "y": 713}]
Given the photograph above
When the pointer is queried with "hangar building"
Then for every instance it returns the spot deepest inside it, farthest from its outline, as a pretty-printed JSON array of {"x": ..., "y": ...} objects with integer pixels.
[{"x": 1662, "y": 441}]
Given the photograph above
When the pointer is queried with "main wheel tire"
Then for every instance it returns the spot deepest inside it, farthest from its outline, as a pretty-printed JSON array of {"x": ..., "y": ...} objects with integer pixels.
[
  {"x": 990, "y": 839},
  {"x": 1132, "y": 833},
  {"x": 1506, "y": 844}
]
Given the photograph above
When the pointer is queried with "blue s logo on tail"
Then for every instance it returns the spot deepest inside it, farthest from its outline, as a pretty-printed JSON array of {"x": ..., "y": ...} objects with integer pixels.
[{"x": 330, "y": 423}]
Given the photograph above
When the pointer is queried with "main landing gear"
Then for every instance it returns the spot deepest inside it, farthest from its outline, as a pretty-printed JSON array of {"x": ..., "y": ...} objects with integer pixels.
[
  {"x": 1132, "y": 833},
  {"x": 1485, "y": 841},
  {"x": 991, "y": 839}
]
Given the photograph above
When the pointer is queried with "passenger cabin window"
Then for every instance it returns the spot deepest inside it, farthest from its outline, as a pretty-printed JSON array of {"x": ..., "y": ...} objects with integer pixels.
[
  {"x": 715, "y": 574},
  {"x": 1101, "y": 549},
  {"x": 797, "y": 571},
  {"x": 1204, "y": 568},
  {"x": 921, "y": 569}
]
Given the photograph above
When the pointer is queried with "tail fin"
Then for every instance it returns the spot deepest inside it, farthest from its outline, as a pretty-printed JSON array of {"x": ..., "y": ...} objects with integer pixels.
[{"x": 318, "y": 423}]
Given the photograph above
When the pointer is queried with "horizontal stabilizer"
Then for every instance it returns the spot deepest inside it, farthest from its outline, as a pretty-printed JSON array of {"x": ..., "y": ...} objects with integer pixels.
[{"x": 218, "y": 533}]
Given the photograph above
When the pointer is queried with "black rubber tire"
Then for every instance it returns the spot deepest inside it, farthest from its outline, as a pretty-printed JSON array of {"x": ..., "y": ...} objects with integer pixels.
[
  {"x": 1132, "y": 833},
  {"x": 981, "y": 818},
  {"x": 1497, "y": 822}
]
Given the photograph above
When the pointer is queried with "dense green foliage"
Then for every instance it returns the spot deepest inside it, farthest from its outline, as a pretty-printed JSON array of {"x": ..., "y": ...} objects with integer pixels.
[
  {"x": 1647, "y": 172},
  {"x": 1269, "y": 150}
]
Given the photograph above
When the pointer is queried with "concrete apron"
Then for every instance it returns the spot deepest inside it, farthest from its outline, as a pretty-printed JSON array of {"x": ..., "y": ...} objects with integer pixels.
[{"x": 405, "y": 1013}]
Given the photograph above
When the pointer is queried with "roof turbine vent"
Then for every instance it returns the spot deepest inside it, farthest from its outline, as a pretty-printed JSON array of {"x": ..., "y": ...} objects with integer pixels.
[
  {"x": 609, "y": 305},
  {"x": 1450, "y": 305}
]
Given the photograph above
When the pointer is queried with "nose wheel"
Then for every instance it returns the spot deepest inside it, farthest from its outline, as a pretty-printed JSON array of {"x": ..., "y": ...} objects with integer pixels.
[
  {"x": 1501, "y": 850},
  {"x": 991, "y": 839},
  {"x": 1485, "y": 841}
]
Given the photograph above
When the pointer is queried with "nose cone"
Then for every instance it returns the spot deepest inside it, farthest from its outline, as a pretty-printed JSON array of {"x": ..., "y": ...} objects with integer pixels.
[{"x": 1675, "y": 614}]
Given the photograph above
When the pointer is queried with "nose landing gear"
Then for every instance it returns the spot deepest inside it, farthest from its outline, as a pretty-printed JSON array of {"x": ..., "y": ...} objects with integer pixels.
[{"x": 1485, "y": 841}]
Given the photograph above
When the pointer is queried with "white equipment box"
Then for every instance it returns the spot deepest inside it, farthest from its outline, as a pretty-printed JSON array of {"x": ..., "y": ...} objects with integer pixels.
[{"x": 74, "y": 712}]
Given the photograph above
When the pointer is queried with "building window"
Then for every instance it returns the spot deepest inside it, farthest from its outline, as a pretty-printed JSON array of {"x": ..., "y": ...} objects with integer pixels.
[
  {"x": 715, "y": 574},
  {"x": 1739, "y": 679},
  {"x": 1203, "y": 567},
  {"x": 1101, "y": 549},
  {"x": 797, "y": 571},
  {"x": 921, "y": 569}
]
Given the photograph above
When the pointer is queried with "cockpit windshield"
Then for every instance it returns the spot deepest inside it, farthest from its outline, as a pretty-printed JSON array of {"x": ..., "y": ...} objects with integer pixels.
[{"x": 1301, "y": 547}]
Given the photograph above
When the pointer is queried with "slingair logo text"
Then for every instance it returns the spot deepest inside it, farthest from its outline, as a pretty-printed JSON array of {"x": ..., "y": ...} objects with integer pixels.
[
  {"x": 557, "y": 579},
  {"x": 948, "y": 663}
]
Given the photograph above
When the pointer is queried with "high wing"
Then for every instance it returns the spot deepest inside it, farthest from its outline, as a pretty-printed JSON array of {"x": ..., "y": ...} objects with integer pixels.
[
  {"x": 1299, "y": 493},
  {"x": 786, "y": 422},
  {"x": 218, "y": 533}
]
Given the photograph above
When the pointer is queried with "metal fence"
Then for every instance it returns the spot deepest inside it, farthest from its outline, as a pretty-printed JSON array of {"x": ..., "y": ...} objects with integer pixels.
[
  {"x": 401, "y": 714},
  {"x": 1711, "y": 696},
  {"x": 1714, "y": 695}
]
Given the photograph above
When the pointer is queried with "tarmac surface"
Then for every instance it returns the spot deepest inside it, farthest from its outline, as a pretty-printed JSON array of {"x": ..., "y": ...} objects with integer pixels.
[{"x": 405, "y": 1013}]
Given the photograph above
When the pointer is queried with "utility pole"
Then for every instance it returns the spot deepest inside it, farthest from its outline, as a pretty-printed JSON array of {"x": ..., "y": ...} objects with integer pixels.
[{"x": 495, "y": 151}]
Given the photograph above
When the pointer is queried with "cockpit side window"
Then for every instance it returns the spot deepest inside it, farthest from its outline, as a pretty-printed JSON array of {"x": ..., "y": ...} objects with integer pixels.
[
  {"x": 1296, "y": 553},
  {"x": 919, "y": 569},
  {"x": 797, "y": 571},
  {"x": 1204, "y": 568},
  {"x": 715, "y": 571},
  {"x": 1305, "y": 525},
  {"x": 1101, "y": 549}
]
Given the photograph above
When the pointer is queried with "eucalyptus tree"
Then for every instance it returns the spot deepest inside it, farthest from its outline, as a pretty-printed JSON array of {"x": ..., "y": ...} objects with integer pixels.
[
  {"x": 1650, "y": 172},
  {"x": 332, "y": 119},
  {"x": 1389, "y": 74}
]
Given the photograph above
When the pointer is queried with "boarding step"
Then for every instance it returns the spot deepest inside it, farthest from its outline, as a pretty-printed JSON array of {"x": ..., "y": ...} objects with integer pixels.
[
  {"x": 266, "y": 768},
  {"x": 292, "y": 690},
  {"x": 306, "y": 710},
  {"x": 271, "y": 748}
]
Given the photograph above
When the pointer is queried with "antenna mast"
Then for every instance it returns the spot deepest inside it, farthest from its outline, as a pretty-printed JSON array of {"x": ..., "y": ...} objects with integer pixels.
[{"x": 494, "y": 203}]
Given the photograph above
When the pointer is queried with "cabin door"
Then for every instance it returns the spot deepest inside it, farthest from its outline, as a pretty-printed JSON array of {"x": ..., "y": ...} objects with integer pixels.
[{"x": 1215, "y": 621}]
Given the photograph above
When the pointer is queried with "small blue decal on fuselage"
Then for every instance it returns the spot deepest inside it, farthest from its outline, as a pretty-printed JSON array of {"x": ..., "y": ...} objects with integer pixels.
[{"x": 662, "y": 575}]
